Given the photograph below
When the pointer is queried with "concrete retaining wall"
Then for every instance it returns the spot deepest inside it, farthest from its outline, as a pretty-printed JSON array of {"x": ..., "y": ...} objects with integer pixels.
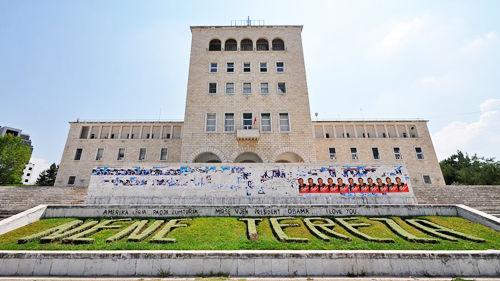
[
  {"x": 22, "y": 219},
  {"x": 250, "y": 263},
  {"x": 308, "y": 210},
  {"x": 166, "y": 211}
]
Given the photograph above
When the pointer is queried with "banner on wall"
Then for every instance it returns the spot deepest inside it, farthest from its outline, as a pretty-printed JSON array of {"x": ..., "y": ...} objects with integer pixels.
[{"x": 256, "y": 180}]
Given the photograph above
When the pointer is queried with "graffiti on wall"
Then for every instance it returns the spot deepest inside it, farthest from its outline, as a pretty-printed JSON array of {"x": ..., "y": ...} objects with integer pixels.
[{"x": 261, "y": 179}]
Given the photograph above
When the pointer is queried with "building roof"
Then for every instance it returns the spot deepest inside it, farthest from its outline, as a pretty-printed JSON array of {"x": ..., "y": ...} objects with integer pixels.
[
  {"x": 314, "y": 121},
  {"x": 244, "y": 26},
  {"x": 129, "y": 121},
  {"x": 370, "y": 120}
]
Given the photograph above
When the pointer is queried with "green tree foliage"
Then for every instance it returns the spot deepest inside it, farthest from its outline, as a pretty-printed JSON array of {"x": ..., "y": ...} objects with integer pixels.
[
  {"x": 14, "y": 155},
  {"x": 48, "y": 177},
  {"x": 461, "y": 168}
]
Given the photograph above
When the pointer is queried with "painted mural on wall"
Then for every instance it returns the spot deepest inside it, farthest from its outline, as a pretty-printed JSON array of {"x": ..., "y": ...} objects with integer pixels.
[{"x": 261, "y": 179}]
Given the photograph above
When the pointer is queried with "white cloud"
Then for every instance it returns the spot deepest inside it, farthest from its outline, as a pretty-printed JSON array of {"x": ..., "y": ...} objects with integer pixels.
[
  {"x": 400, "y": 33},
  {"x": 480, "y": 43},
  {"x": 40, "y": 165},
  {"x": 481, "y": 136},
  {"x": 436, "y": 81}
]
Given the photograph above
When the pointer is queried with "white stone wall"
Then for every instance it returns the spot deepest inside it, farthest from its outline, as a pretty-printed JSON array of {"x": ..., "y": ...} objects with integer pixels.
[
  {"x": 251, "y": 263},
  {"x": 237, "y": 184}
]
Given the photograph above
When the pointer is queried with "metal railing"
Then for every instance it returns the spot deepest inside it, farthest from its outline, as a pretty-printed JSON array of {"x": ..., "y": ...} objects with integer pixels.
[{"x": 247, "y": 22}]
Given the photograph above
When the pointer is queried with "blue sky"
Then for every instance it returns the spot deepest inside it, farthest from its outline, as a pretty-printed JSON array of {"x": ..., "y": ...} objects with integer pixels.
[{"x": 437, "y": 60}]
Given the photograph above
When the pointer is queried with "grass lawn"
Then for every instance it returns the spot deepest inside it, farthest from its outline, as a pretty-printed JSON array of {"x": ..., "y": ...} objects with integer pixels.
[{"x": 221, "y": 233}]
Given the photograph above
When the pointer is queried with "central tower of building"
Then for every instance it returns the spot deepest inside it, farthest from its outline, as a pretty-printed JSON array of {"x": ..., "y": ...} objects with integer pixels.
[{"x": 247, "y": 98}]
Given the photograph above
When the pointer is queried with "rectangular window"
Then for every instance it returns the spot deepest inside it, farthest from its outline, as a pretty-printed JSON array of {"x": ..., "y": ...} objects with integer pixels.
[
  {"x": 281, "y": 88},
  {"x": 121, "y": 154},
  {"x": 354, "y": 153},
  {"x": 230, "y": 67},
  {"x": 142, "y": 154},
  {"x": 247, "y": 121},
  {"x": 280, "y": 66},
  {"x": 78, "y": 153},
  {"x": 284, "y": 122},
  {"x": 419, "y": 152},
  {"x": 100, "y": 152},
  {"x": 213, "y": 67},
  {"x": 264, "y": 88},
  {"x": 427, "y": 179},
  {"x": 332, "y": 153},
  {"x": 397, "y": 153},
  {"x": 85, "y": 132},
  {"x": 229, "y": 122},
  {"x": 265, "y": 122},
  {"x": 71, "y": 180},
  {"x": 246, "y": 67},
  {"x": 212, "y": 88},
  {"x": 376, "y": 154},
  {"x": 211, "y": 122},
  {"x": 263, "y": 67},
  {"x": 247, "y": 88},
  {"x": 163, "y": 154},
  {"x": 230, "y": 88}
]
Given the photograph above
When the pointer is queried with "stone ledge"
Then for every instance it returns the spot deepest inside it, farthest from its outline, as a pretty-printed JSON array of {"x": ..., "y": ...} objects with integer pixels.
[{"x": 250, "y": 263}]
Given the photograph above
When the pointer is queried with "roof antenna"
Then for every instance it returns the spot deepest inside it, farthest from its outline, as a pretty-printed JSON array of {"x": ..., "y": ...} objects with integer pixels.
[{"x": 248, "y": 21}]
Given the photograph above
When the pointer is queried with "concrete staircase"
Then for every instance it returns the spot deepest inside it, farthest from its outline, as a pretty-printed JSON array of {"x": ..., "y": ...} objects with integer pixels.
[
  {"x": 485, "y": 198},
  {"x": 17, "y": 199}
]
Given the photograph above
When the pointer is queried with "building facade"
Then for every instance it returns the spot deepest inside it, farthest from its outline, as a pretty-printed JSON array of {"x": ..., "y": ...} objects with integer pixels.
[
  {"x": 247, "y": 101},
  {"x": 28, "y": 177},
  {"x": 17, "y": 133}
]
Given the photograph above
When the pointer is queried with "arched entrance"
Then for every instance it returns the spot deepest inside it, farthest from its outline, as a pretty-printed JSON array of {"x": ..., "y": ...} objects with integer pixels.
[
  {"x": 248, "y": 157},
  {"x": 289, "y": 157},
  {"x": 207, "y": 157}
]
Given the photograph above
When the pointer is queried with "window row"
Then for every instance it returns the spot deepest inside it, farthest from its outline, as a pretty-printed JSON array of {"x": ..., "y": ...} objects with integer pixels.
[
  {"x": 246, "y": 67},
  {"x": 365, "y": 131},
  {"x": 332, "y": 153},
  {"x": 246, "y": 88},
  {"x": 130, "y": 132},
  {"x": 121, "y": 154},
  {"x": 246, "y": 45},
  {"x": 248, "y": 122}
]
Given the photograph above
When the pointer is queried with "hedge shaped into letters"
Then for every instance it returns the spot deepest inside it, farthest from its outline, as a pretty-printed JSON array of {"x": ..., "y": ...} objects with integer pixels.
[
  {"x": 441, "y": 231},
  {"x": 352, "y": 228},
  {"x": 251, "y": 227},
  {"x": 81, "y": 237},
  {"x": 169, "y": 226},
  {"x": 278, "y": 230},
  {"x": 323, "y": 230},
  {"x": 63, "y": 234},
  {"x": 54, "y": 231},
  {"x": 396, "y": 228},
  {"x": 138, "y": 235},
  {"x": 136, "y": 226}
]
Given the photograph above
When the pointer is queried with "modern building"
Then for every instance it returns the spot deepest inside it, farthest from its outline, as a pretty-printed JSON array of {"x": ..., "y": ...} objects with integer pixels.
[
  {"x": 28, "y": 174},
  {"x": 248, "y": 101},
  {"x": 16, "y": 132}
]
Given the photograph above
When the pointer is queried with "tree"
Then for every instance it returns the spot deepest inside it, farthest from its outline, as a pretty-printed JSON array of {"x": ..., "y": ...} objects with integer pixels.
[
  {"x": 14, "y": 155},
  {"x": 48, "y": 177},
  {"x": 460, "y": 168}
]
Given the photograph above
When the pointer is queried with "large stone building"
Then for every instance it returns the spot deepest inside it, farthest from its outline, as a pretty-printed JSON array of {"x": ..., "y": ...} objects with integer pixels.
[{"x": 247, "y": 101}]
